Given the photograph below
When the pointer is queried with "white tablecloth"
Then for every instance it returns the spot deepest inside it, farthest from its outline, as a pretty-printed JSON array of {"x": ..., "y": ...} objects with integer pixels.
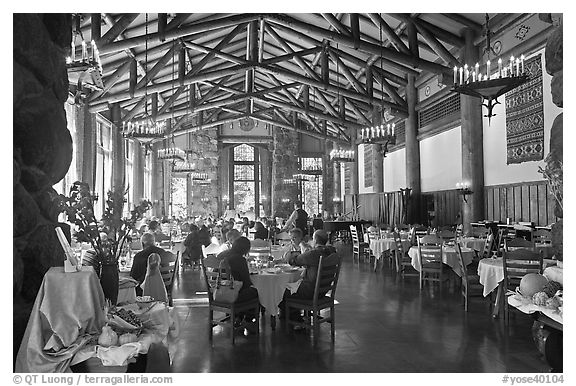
[
  {"x": 379, "y": 246},
  {"x": 449, "y": 257},
  {"x": 278, "y": 252},
  {"x": 472, "y": 242},
  {"x": 554, "y": 274},
  {"x": 271, "y": 287},
  {"x": 491, "y": 272},
  {"x": 526, "y": 306}
]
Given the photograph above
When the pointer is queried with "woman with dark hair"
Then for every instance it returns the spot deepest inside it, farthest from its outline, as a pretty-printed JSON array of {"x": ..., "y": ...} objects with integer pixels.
[
  {"x": 260, "y": 231},
  {"x": 236, "y": 261}
]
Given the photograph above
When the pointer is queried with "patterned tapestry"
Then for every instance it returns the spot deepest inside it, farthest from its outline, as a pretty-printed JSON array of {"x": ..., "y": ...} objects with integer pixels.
[
  {"x": 368, "y": 165},
  {"x": 525, "y": 117}
]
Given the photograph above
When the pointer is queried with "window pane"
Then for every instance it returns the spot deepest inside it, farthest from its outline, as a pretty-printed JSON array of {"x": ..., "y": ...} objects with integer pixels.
[
  {"x": 244, "y": 172},
  {"x": 311, "y": 164},
  {"x": 244, "y": 153}
]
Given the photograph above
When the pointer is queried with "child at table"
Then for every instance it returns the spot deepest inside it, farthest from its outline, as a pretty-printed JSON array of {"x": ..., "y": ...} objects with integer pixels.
[{"x": 153, "y": 284}]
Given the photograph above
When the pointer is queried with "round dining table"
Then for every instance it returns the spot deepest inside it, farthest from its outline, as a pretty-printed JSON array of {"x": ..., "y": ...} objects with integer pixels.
[
  {"x": 271, "y": 284},
  {"x": 474, "y": 243},
  {"x": 449, "y": 257}
]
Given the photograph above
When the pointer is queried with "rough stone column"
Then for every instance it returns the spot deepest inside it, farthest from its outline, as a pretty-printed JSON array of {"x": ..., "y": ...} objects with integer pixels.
[
  {"x": 337, "y": 205},
  {"x": 138, "y": 172},
  {"x": 377, "y": 159},
  {"x": 328, "y": 184},
  {"x": 285, "y": 165},
  {"x": 157, "y": 181},
  {"x": 266, "y": 178},
  {"x": 472, "y": 145},
  {"x": 118, "y": 167},
  {"x": 189, "y": 190},
  {"x": 412, "y": 152},
  {"x": 354, "y": 183},
  {"x": 86, "y": 131}
]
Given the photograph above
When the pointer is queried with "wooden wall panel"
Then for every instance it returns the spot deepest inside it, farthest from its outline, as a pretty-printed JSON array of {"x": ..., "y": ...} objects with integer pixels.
[
  {"x": 542, "y": 207},
  {"x": 533, "y": 194},
  {"x": 525, "y": 190},
  {"x": 518, "y": 204}
]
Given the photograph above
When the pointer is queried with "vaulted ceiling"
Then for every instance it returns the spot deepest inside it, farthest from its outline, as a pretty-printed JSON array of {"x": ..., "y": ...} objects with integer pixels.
[{"x": 321, "y": 74}]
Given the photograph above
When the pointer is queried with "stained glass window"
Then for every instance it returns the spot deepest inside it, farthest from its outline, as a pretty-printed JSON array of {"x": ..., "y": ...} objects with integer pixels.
[
  {"x": 244, "y": 153},
  {"x": 243, "y": 172}
]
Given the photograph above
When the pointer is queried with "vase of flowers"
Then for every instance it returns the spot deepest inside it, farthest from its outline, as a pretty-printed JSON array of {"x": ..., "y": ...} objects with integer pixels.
[{"x": 108, "y": 236}]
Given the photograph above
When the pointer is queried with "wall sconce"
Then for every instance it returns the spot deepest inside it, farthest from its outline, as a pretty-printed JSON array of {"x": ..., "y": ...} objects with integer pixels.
[
  {"x": 285, "y": 200},
  {"x": 336, "y": 199},
  {"x": 405, "y": 192},
  {"x": 464, "y": 190}
]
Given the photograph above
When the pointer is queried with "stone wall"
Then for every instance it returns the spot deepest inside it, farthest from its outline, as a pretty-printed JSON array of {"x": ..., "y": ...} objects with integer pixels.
[
  {"x": 554, "y": 67},
  {"x": 284, "y": 165},
  {"x": 205, "y": 197},
  {"x": 42, "y": 153}
]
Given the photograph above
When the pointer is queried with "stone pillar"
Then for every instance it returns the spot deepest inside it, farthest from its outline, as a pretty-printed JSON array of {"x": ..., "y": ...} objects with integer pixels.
[
  {"x": 354, "y": 183},
  {"x": 86, "y": 131},
  {"x": 157, "y": 181},
  {"x": 377, "y": 159},
  {"x": 328, "y": 185},
  {"x": 472, "y": 145},
  {"x": 337, "y": 198},
  {"x": 138, "y": 172},
  {"x": 167, "y": 187},
  {"x": 285, "y": 165},
  {"x": 412, "y": 153},
  {"x": 118, "y": 167},
  {"x": 266, "y": 178},
  {"x": 189, "y": 193}
]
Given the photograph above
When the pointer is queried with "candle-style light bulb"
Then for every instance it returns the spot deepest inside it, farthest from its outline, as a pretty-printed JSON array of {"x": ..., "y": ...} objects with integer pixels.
[
  {"x": 466, "y": 73},
  {"x": 455, "y": 74},
  {"x": 93, "y": 47},
  {"x": 517, "y": 67},
  {"x": 511, "y": 66},
  {"x": 84, "y": 53},
  {"x": 73, "y": 51},
  {"x": 461, "y": 75},
  {"x": 500, "y": 67},
  {"x": 488, "y": 69},
  {"x": 393, "y": 127},
  {"x": 522, "y": 63},
  {"x": 477, "y": 68}
]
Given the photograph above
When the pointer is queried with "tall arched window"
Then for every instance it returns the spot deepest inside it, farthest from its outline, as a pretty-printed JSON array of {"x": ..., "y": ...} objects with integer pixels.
[{"x": 245, "y": 185}]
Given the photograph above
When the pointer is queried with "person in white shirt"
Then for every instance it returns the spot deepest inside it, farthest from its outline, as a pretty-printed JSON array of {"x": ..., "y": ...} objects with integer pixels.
[
  {"x": 297, "y": 245},
  {"x": 229, "y": 213},
  {"x": 250, "y": 214}
]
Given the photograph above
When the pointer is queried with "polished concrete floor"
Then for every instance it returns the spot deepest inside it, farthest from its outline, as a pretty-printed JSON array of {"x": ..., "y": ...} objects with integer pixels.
[{"x": 384, "y": 324}]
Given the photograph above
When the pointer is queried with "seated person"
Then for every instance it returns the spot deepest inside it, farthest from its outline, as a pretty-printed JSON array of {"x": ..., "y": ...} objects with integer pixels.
[
  {"x": 235, "y": 258},
  {"x": 231, "y": 236},
  {"x": 260, "y": 231},
  {"x": 297, "y": 245},
  {"x": 154, "y": 228},
  {"x": 153, "y": 284},
  {"x": 310, "y": 260},
  {"x": 140, "y": 262},
  {"x": 193, "y": 247}
]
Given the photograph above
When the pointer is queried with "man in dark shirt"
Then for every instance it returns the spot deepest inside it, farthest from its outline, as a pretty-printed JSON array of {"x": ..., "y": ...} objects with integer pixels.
[
  {"x": 140, "y": 262},
  {"x": 310, "y": 260}
]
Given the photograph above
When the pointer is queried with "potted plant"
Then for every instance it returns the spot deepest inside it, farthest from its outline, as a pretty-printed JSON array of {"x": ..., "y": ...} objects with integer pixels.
[{"x": 107, "y": 236}]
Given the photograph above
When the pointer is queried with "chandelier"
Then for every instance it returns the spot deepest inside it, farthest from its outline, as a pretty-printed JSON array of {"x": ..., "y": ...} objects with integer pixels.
[
  {"x": 144, "y": 130},
  {"x": 487, "y": 86},
  {"x": 341, "y": 155},
  {"x": 171, "y": 153},
  {"x": 184, "y": 167},
  {"x": 84, "y": 70},
  {"x": 195, "y": 176}
]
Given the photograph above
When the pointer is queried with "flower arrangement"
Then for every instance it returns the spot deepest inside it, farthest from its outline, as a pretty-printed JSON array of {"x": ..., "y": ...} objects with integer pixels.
[{"x": 108, "y": 236}]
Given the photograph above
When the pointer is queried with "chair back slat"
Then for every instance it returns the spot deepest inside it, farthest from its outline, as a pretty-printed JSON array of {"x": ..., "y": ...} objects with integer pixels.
[
  {"x": 430, "y": 240},
  {"x": 327, "y": 276},
  {"x": 518, "y": 242},
  {"x": 519, "y": 263},
  {"x": 488, "y": 246},
  {"x": 446, "y": 234},
  {"x": 542, "y": 236}
]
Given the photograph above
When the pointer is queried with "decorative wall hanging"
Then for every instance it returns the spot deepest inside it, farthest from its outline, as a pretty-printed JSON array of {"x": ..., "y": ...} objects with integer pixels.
[{"x": 525, "y": 117}]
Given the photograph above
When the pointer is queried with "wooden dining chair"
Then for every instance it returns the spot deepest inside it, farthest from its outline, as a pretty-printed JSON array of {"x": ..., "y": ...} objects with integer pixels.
[
  {"x": 430, "y": 258},
  {"x": 479, "y": 232},
  {"x": 470, "y": 285},
  {"x": 168, "y": 269},
  {"x": 542, "y": 236},
  {"x": 210, "y": 269},
  {"x": 430, "y": 240},
  {"x": 324, "y": 298},
  {"x": 358, "y": 247},
  {"x": 446, "y": 234},
  {"x": 488, "y": 247},
  {"x": 518, "y": 242},
  {"x": 403, "y": 261},
  {"x": 517, "y": 264}
]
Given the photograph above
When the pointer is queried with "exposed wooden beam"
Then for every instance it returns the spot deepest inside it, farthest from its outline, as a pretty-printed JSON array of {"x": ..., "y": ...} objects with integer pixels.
[
  {"x": 441, "y": 34},
  {"x": 327, "y": 104},
  {"x": 212, "y": 91},
  {"x": 261, "y": 40},
  {"x": 172, "y": 99},
  {"x": 135, "y": 110},
  {"x": 355, "y": 29},
  {"x": 336, "y": 24},
  {"x": 162, "y": 24},
  {"x": 390, "y": 90},
  {"x": 311, "y": 73},
  {"x": 363, "y": 45},
  {"x": 233, "y": 20},
  {"x": 298, "y": 130},
  {"x": 438, "y": 48},
  {"x": 110, "y": 81},
  {"x": 133, "y": 77},
  {"x": 117, "y": 29},
  {"x": 96, "y": 26},
  {"x": 464, "y": 21},
  {"x": 347, "y": 73},
  {"x": 160, "y": 64},
  {"x": 389, "y": 32},
  {"x": 359, "y": 114}
]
